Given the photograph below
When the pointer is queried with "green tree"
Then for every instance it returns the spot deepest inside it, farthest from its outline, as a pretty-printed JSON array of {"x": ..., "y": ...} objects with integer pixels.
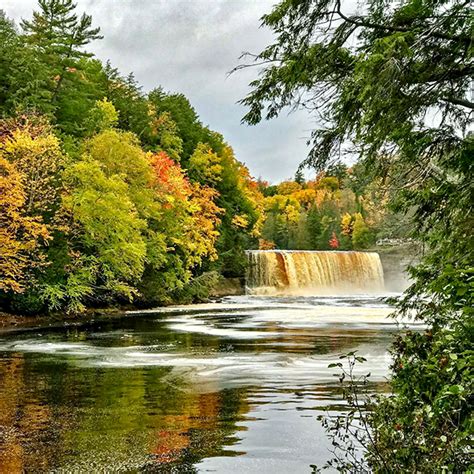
[
  {"x": 184, "y": 115},
  {"x": 107, "y": 202},
  {"x": 102, "y": 116},
  {"x": 59, "y": 35},
  {"x": 269, "y": 229},
  {"x": 25, "y": 82},
  {"x": 54, "y": 73},
  {"x": 239, "y": 228},
  {"x": 111, "y": 226},
  {"x": 130, "y": 103},
  {"x": 9, "y": 46},
  {"x": 205, "y": 165},
  {"x": 190, "y": 128},
  {"x": 299, "y": 238},
  {"x": 166, "y": 131},
  {"x": 393, "y": 81},
  {"x": 314, "y": 226},
  {"x": 361, "y": 236},
  {"x": 299, "y": 177}
]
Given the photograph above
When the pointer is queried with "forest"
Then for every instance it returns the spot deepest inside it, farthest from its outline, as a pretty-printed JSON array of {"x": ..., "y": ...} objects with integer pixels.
[
  {"x": 343, "y": 208},
  {"x": 108, "y": 194},
  {"x": 111, "y": 195}
]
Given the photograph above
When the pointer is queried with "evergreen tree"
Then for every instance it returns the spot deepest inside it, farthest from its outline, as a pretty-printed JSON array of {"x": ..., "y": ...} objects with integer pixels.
[
  {"x": 59, "y": 35},
  {"x": 299, "y": 177},
  {"x": 9, "y": 47},
  {"x": 133, "y": 109},
  {"x": 314, "y": 226},
  {"x": 65, "y": 84}
]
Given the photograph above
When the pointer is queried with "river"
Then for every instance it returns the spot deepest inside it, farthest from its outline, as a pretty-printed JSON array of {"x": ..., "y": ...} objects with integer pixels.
[{"x": 225, "y": 387}]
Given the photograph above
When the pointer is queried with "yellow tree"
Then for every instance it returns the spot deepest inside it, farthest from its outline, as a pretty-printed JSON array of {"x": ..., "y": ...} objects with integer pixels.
[
  {"x": 205, "y": 165},
  {"x": 31, "y": 166},
  {"x": 361, "y": 235},
  {"x": 36, "y": 153},
  {"x": 20, "y": 235},
  {"x": 305, "y": 197},
  {"x": 288, "y": 187},
  {"x": 347, "y": 224},
  {"x": 202, "y": 234}
]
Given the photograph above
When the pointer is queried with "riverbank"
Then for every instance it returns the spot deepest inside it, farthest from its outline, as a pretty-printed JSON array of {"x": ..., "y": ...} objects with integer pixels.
[
  {"x": 10, "y": 322},
  {"x": 19, "y": 323}
]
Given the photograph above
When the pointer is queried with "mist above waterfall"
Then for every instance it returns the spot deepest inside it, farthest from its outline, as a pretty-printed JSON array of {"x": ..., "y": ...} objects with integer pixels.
[{"x": 314, "y": 272}]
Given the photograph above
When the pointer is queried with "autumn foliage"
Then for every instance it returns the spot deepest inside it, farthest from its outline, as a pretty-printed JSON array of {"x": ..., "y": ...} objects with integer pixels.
[
  {"x": 107, "y": 194},
  {"x": 333, "y": 241},
  {"x": 20, "y": 235},
  {"x": 112, "y": 221},
  {"x": 327, "y": 213}
]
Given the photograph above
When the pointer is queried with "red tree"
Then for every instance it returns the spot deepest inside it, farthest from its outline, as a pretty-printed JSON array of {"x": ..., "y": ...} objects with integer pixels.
[{"x": 333, "y": 241}]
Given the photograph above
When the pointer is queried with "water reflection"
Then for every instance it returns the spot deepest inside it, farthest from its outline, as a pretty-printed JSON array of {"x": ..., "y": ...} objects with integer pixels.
[{"x": 224, "y": 388}]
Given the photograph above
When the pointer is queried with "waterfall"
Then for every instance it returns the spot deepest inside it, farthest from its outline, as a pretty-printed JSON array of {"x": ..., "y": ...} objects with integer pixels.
[{"x": 313, "y": 272}]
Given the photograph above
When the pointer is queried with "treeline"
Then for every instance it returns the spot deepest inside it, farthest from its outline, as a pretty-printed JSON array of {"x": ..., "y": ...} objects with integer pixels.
[
  {"x": 342, "y": 209},
  {"x": 107, "y": 193}
]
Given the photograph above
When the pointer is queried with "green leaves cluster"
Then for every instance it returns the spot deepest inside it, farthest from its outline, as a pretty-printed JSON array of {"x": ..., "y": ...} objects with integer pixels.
[{"x": 427, "y": 425}]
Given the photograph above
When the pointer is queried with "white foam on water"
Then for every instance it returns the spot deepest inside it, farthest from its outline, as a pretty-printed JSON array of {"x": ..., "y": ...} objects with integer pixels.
[
  {"x": 63, "y": 348},
  {"x": 192, "y": 325},
  {"x": 324, "y": 316},
  {"x": 283, "y": 334},
  {"x": 232, "y": 369}
]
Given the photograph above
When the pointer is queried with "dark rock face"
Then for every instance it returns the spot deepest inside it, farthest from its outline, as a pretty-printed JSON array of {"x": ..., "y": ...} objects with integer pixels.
[
  {"x": 395, "y": 261},
  {"x": 228, "y": 287}
]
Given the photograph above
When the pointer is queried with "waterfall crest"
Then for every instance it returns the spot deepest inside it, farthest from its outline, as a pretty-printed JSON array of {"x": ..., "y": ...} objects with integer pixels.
[{"x": 315, "y": 272}]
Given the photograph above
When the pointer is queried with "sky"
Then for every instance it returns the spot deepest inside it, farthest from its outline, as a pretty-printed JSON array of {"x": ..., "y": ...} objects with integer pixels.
[{"x": 190, "y": 46}]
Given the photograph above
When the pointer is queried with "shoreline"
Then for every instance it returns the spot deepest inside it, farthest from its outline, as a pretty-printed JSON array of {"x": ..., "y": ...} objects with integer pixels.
[
  {"x": 12, "y": 323},
  {"x": 15, "y": 323}
]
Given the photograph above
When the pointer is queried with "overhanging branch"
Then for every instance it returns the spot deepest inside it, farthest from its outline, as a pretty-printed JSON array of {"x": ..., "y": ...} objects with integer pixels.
[
  {"x": 359, "y": 21},
  {"x": 456, "y": 101}
]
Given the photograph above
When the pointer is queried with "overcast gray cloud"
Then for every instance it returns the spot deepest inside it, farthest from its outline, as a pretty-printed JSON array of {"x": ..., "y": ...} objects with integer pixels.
[{"x": 189, "y": 46}]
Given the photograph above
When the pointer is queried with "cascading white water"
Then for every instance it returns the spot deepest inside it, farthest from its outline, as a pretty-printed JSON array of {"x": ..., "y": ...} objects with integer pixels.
[{"x": 315, "y": 272}]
